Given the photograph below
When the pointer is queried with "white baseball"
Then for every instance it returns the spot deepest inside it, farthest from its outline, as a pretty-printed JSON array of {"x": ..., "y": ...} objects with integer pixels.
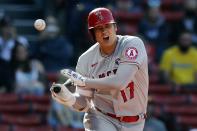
[{"x": 40, "y": 24}]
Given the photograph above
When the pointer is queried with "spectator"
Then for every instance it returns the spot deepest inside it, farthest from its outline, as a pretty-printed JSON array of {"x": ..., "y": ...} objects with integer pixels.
[
  {"x": 179, "y": 63},
  {"x": 153, "y": 68},
  {"x": 153, "y": 123},
  {"x": 28, "y": 74},
  {"x": 77, "y": 32},
  {"x": 53, "y": 50},
  {"x": 128, "y": 6},
  {"x": 7, "y": 41},
  {"x": 59, "y": 115},
  {"x": 8, "y": 37},
  {"x": 5, "y": 80},
  {"x": 188, "y": 22},
  {"x": 154, "y": 29}
]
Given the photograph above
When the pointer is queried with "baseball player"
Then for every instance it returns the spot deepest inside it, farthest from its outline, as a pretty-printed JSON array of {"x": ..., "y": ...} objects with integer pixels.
[{"x": 111, "y": 79}]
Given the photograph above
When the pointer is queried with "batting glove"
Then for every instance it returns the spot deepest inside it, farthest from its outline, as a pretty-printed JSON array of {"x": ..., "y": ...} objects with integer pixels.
[
  {"x": 64, "y": 97},
  {"x": 74, "y": 76}
]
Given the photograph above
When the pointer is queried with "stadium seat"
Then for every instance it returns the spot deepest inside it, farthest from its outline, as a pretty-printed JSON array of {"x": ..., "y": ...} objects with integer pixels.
[
  {"x": 52, "y": 77},
  {"x": 160, "y": 89},
  {"x": 45, "y": 99},
  {"x": 172, "y": 16},
  {"x": 153, "y": 78},
  {"x": 169, "y": 99},
  {"x": 181, "y": 109},
  {"x": 4, "y": 127},
  {"x": 25, "y": 120},
  {"x": 8, "y": 98},
  {"x": 78, "y": 129},
  {"x": 128, "y": 17},
  {"x": 15, "y": 108},
  {"x": 168, "y": 4},
  {"x": 65, "y": 128},
  {"x": 187, "y": 89},
  {"x": 33, "y": 128},
  {"x": 193, "y": 99},
  {"x": 40, "y": 108},
  {"x": 190, "y": 121}
]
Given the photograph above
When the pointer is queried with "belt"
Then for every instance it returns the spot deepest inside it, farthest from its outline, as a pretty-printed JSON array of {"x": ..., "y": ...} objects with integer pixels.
[{"x": 124, "y": 118}]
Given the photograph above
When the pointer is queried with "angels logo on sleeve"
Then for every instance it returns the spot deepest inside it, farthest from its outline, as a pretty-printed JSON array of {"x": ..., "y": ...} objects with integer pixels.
[{"x": 131, "y": 53}]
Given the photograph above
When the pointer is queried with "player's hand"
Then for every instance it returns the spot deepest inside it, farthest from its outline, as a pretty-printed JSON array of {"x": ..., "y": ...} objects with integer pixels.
[
  {"x": 64, "y": 97},
  {"x": 78, "y": 79}
]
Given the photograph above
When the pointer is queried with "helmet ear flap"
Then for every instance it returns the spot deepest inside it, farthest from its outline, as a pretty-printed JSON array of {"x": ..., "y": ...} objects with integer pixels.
[{"x": 92, "y": 34}]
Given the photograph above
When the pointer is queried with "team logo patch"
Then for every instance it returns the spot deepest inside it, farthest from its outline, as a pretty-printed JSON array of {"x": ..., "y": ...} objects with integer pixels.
[{"x": 131, "y": 53}]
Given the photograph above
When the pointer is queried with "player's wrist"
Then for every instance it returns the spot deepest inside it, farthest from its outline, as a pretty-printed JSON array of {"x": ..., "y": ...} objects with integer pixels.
[
  {"x": 88, "y": 84},
  {"x": 71, "y": 101},
  {"x": 68, "y": 101}
]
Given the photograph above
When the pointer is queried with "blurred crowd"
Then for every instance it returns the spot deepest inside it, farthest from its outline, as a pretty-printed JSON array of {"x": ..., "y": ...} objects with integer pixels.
[{"x": 170, "y": 41}]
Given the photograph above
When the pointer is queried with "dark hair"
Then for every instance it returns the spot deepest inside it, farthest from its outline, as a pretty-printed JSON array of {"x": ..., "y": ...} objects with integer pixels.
[
  {"x": 5, "y": 21},
  {"x": 24, "y": 65}
]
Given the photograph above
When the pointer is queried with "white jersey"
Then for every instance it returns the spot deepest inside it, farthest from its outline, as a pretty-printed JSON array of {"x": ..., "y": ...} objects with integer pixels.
[{"x": 130, "y": 101}]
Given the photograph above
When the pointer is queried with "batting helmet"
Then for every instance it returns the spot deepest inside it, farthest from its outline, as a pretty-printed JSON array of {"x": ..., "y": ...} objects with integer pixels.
[{"x": 100, "y": 16}]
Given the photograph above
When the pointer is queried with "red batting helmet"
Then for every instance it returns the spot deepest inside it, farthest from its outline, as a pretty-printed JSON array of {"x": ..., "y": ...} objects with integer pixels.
[{"x": 99, "y": 16}]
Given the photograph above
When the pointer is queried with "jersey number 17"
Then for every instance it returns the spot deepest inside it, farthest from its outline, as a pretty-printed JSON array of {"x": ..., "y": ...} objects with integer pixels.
[{"x": 130, "y": 90}]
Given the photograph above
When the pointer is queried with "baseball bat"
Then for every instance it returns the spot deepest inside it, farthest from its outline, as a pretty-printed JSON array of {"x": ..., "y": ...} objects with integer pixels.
[{"x": 57, "y": 89}]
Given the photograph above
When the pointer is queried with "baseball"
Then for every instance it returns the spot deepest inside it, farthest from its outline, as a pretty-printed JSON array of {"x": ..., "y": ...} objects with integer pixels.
[{"x": 39, "y": 24}]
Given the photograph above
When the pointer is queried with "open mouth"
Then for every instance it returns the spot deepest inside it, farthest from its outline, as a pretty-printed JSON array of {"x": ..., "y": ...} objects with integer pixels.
[{"x": 106, "y": 38}]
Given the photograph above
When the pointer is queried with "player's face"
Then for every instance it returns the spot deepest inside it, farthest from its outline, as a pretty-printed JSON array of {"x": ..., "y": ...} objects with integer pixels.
[{"x": 105, "y": 34}]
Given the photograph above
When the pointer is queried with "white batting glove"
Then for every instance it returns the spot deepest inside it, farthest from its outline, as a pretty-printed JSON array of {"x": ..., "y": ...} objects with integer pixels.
[
  {"x": 64, "y": 97},
  {"x": 74, "y": 76}
]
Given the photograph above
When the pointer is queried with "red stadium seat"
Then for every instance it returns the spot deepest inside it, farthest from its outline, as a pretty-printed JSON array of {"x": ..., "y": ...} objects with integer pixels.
[
  {"x": 33, "y": 128},
  {"x": 193, "y": 99},
  {"x": 173, "y": 16},
  {"x": 190, "y": 121},
  {"x": 15, "y": 108},
  {"x": 153, "y": 78},
  {"x": 40, "y": 108},
  {"x": 182, "y": 110},
  {"x": 187, "y": 90},
  {"x": 128, "y": 17},
  {"x": 4, "y": 127},
  {"x": 8, "y": 98},
  {"x": 26, "y": 120},
  {"x": 52, "y": 77},
  {"x": 45, "y": 99},
  {"x": 160, "y": 89},
  {"x": 65, "y": 128},
  {"x": 168, "y": 4},
  {"x": 169, "y": 99},
  {"x": 79, "y": 129}
]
